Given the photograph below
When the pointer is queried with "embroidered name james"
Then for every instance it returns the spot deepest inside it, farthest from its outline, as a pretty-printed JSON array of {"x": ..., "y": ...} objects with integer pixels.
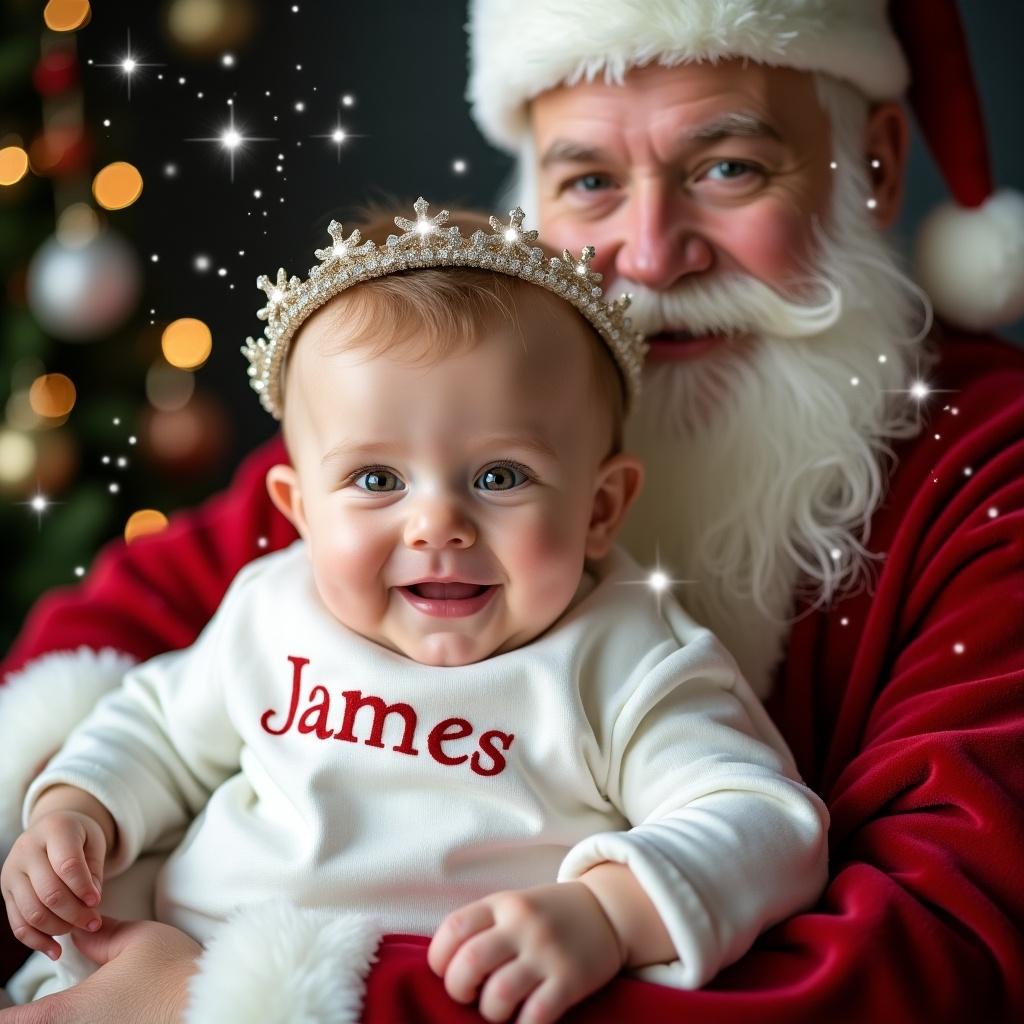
[{"x": 489, "y": 759}]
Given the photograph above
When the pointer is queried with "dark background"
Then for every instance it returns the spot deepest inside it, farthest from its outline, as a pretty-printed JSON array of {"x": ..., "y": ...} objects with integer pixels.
[{"x": 403, "y": 63}]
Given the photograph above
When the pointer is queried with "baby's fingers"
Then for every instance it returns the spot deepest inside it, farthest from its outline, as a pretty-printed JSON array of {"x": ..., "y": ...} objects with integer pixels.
[
  {"x": 31, "y": 923},
  {"x": 59, "y": 900},
  {"x": 473, "y": 961},
  {"x": 77, "y": 862},
  {"x": 455, "y": 929}
]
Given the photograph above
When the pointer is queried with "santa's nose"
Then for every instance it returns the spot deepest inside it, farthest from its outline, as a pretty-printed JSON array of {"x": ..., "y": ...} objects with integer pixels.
[{"x": 661, "y": 239}]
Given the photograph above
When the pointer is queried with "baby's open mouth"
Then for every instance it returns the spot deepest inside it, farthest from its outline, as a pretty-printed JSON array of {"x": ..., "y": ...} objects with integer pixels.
[
  {"x": 448, "y": 591},
  {"x": 450, "y": 600}
]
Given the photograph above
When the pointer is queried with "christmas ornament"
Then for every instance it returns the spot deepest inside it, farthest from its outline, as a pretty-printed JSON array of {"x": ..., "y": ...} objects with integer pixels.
[
  {"x": 425, "y": 242},
  {"x": 186, "y": 442},
  {"x": 56, "y": 72},
  {"x": 80, "y": 292},
  {"x": 202, "y": 28},
  {"x": 60, "y": 152}
]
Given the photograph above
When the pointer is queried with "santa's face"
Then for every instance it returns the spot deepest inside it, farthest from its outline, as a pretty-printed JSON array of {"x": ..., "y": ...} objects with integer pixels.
[{"x": 684, "y": 173}]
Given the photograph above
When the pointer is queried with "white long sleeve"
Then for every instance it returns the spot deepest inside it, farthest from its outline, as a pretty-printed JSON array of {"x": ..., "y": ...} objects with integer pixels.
[{"x": 725, "y": 840}]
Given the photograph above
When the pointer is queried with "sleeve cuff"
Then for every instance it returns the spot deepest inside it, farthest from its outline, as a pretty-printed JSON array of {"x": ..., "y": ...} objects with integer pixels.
[
  {"x": 111, "y": 791},
  {"x": 680, "y": 907}
]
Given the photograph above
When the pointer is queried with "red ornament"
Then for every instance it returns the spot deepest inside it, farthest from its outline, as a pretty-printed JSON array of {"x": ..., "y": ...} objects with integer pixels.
[
  {"x": 60, "y": 152},
  {"x": 189, "y": 442},
  {"x": 56, "y": 72}
]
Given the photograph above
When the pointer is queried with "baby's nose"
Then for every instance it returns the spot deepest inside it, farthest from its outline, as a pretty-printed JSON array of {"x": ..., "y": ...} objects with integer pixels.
[{"x": 439, "y": 523}]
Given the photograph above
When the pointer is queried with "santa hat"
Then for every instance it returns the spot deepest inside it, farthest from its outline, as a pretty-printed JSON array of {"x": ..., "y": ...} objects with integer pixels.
[{"x": 969, "y": 254}]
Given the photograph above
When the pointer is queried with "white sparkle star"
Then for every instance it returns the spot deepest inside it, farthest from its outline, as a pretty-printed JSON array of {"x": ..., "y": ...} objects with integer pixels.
[
  {"x": 232, "y": 139},
  {"x": 658, "y": 580},
  {"x": 338, "y": 135},
  {"x": 129, "y": 64}
]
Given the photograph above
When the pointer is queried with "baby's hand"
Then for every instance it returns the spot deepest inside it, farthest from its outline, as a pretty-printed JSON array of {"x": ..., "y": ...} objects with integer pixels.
[
  {"x": 547, "y": 947},
  {"x": 52, "y": 877}
]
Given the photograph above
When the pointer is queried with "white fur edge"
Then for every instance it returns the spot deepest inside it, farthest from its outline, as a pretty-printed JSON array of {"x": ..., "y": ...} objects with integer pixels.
[
  {"x": 520, "y": 48},
  {"x": 280, "y": 964},
  {"x": 39, "y": 706},
  {"x": 971, "y": 262}
]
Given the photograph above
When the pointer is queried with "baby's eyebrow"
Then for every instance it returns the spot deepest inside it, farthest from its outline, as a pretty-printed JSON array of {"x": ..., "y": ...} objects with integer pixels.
[
  {"x": 530, "y": 442},
  {"x": 345, "y": 448}
]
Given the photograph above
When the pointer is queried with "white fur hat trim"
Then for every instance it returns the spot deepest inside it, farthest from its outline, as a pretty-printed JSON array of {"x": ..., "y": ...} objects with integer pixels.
[
  {"x": 39, "y": 706},
  {"x": 521, "y": 48},
  {"x": 971, "y": 262},
  {"x": 280, "y": 964}
]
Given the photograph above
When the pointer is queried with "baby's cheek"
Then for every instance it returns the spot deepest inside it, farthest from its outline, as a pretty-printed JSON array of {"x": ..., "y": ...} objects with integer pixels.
[
  {"x": 347, "y": 568},
  {"x": 548, "y": 563}
]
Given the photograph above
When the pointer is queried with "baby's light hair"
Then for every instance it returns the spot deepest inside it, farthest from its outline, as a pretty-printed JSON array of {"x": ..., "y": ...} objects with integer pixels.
[{"x": 425, "y": 316}]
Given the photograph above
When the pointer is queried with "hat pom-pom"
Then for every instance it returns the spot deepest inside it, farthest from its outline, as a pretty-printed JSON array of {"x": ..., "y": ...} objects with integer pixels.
[{"x": 971, "y": 261}]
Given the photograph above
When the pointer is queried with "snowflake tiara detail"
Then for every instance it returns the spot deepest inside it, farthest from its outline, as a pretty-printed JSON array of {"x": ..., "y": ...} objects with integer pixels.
[{"x": 430, "y": 242}]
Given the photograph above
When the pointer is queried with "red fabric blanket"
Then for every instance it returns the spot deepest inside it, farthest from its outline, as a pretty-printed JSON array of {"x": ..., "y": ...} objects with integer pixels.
[{"x": 904, "y": 708}]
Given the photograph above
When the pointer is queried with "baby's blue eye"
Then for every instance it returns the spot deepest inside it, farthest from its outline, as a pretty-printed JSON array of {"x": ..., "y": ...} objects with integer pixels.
[
  {"x": 501, "y": 477},
  {"x": 379, "y": 481}
]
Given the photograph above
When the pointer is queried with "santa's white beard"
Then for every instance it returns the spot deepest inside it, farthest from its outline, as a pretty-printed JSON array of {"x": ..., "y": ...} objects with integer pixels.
[{"x": 766, "y": 458}]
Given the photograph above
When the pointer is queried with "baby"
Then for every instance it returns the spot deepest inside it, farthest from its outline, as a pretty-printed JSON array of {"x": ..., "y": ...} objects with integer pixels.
[{"x": 452, "y": 704}]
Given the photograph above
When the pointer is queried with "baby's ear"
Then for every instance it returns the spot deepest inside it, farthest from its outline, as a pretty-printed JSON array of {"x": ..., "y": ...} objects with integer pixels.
[
  {"x": 618, "y": 483},
  {"x": 284, "y": 491}
]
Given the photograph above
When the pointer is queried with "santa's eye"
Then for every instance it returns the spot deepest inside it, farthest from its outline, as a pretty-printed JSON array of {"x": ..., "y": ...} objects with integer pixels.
[
  {"x": 378, "y": 480},
  {"x": 502, "y": 476}
]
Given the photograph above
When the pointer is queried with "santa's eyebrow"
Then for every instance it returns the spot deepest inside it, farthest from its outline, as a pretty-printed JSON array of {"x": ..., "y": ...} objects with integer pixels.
[
  {"x": 731, "y": 124},
  {"x": 565, "y": 151},
  {"x": 737, "y": 123}
]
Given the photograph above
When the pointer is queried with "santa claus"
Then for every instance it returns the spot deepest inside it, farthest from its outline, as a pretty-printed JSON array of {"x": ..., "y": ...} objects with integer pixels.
[{"x": 835, "y": 478}]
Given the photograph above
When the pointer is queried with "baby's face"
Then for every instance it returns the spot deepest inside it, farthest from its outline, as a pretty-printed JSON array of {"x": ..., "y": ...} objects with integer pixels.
[{"x": 448, "y": 508}]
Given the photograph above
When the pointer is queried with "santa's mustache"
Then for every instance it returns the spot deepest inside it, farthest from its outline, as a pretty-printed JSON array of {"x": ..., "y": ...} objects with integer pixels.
[{"x": 734, "y": 304}]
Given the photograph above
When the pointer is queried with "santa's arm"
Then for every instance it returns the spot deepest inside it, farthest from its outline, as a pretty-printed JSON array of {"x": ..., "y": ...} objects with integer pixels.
[{"x": 157, "y": 594}]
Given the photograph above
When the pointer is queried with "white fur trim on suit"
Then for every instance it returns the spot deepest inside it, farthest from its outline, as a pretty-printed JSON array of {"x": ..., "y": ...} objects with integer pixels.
[
  {"x": 279, "y": 964},
  {"x": 521, "y": 48},
  {"x": 39, "y": 705},
  {"x": 971, "y": 262}
]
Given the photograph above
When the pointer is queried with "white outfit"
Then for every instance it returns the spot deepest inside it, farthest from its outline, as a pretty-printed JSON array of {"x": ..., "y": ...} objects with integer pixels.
[{"x": 323, "y": 767}]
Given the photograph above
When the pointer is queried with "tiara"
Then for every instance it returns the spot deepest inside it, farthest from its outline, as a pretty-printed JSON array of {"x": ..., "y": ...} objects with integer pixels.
[{"x": 426, "y": 242}]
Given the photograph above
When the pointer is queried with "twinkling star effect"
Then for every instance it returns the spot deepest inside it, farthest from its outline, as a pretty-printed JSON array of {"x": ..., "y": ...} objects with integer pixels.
[
  {"x": 658, "y": 581},
  {"x": 232, "y": 139},
  {"x": 338, "y": 135},
  {"x": 129, "y": 64},
  {"x": 39, "y": 503}
]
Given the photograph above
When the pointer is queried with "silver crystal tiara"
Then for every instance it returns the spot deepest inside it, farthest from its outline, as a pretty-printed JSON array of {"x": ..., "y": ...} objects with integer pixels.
[{"x": 425, "y": 242}]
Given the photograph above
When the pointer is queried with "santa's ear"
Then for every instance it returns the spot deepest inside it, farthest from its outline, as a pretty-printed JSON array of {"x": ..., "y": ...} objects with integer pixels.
[
  {"x": 618, "y": 483},
  {"x": 284, "y": 491},
  {"x": 887, "y": 145}
]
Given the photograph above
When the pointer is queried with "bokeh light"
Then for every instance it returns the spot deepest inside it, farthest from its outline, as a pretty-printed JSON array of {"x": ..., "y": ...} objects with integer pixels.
[
  {"x": 186, "y": 343},
  {"x": 52, "y": 395},
  {"x": 77, "y": 225},
  {"x": 143, "y": 523},
  {"x": 167, "y": 387},
  {"x": 13, "y": 164},
  {"x": 117, "y": 185},
  {"x": 17, "y": 457},
  {"x": 66, "y": 15}
]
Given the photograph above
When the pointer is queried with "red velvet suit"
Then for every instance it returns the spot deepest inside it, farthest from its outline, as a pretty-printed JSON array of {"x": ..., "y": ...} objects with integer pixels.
[{"x": 904, "y": 708}]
